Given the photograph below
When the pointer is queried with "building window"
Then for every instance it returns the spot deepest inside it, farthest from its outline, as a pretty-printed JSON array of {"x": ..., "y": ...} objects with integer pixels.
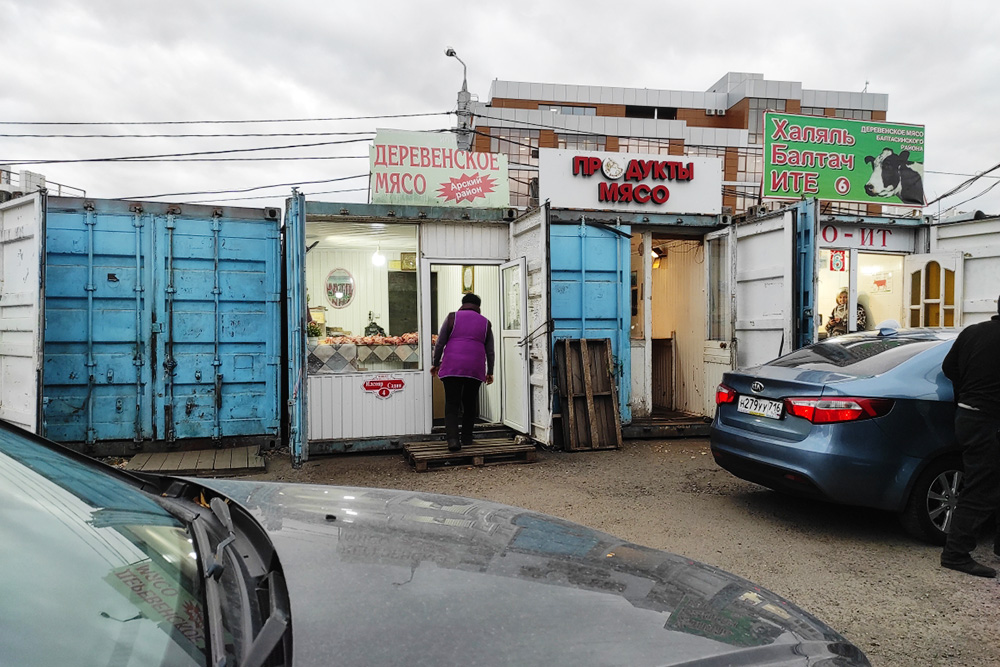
[
  {"x": 813, "y": 111},
  {"x": 650, "y": 146},
  {"x": 363, "y": 293},
  {"x": 853, "y": 114},
  {"x": 655, "y": 113},
  {"x": 755, "y": 120},
  {"x": 581, "y": 142},
  {"x": 521, "y": 148},
  {"x": 568, "y": 110}
]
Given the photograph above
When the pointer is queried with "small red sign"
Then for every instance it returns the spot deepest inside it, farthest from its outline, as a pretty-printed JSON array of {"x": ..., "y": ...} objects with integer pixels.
[
  {"x": 838, "y": 260},
  {"x": 383, "y": 386}
]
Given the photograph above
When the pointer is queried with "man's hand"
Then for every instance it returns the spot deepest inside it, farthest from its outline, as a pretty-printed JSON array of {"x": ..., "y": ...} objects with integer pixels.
[
  {"x": 489, "y": 379},
  {"x": 434, "y": 371}
]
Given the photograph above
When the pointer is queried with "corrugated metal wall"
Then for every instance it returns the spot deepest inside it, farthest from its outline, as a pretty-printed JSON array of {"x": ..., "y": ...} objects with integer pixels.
[
  {"x": 161, "y": 322},
  {"x": 590, "y": 293},
  {"x": 464, "y": 240},
  {"x": 978, "y": 241}
]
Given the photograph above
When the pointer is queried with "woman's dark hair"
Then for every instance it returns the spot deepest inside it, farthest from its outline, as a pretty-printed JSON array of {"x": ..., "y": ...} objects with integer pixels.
[{"x": 473, "y": 299}]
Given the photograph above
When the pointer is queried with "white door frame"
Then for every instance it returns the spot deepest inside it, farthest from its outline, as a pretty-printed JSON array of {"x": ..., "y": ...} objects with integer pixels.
[{"x": 427, "y": 351}]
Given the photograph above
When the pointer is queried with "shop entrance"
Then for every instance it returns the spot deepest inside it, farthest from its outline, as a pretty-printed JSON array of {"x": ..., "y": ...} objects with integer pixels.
[
  {"x": 449, "y": 283},
  {"x": 667, "y": 329}
]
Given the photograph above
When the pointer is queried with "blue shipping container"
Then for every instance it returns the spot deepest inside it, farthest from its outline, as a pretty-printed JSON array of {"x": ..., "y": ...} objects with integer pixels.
[{"x": 161, "y": 323}]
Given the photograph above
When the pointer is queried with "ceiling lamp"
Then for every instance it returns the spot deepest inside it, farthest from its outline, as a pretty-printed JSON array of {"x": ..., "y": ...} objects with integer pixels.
[{"x": 378, "y": 259}]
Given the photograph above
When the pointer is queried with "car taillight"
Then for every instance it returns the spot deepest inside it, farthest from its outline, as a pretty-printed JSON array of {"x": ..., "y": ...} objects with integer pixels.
[
  {"x": 837, "y": 409},
  {"x": 724, "y": 394}
]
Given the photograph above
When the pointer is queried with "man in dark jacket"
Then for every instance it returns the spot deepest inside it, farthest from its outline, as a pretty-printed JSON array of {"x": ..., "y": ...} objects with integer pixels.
[
  {"x": 463, "y": 359},
  {"x": 973, "y": 366}
]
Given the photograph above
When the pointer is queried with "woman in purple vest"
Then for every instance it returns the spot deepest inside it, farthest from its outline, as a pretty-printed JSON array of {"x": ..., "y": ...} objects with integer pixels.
[{"x": 463, "y": 359}]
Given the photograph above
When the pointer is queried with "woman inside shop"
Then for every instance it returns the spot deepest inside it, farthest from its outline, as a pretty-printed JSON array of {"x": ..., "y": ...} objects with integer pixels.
[
  {"x": 463, "y": 359},
  {"x": 840, "y": 317}
]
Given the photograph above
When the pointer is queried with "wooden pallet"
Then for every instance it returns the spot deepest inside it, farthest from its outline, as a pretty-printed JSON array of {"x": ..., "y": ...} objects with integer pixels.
[
  {"x": 588, "y": 395},
  {"x": 204, "y": 462},
  {"x": 434, "y": 454}
]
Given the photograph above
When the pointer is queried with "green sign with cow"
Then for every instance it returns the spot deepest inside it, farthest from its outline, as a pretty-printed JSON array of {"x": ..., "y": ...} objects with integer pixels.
[{"x": 869, "y": 162}]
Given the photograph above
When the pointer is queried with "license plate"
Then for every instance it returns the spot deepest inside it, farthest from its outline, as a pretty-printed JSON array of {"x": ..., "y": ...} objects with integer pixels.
[{"x": 761, "y": 407}]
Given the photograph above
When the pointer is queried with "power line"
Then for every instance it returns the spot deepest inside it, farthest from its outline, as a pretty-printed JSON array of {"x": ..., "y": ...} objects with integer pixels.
[
  {"x": 219, "y": 122},
  {"x": 183, "y": 136},
  {"x": 257, "y": 187},
  {"x": 140, "y": 158},
  {"x": 256, "y": 159},
  {"x": 307, "y": 194}
]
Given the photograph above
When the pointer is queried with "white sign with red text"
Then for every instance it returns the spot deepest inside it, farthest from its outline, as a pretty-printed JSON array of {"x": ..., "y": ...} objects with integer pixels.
[
  {"x": 634, "y": 182},
  {"x": 383, "y": 386},
  {"x": 890, "y": 239},
  {"x": 427, "y": 169}
]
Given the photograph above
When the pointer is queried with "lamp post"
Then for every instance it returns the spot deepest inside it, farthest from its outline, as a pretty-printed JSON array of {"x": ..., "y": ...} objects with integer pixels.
[{"x": 464, "y": 130}]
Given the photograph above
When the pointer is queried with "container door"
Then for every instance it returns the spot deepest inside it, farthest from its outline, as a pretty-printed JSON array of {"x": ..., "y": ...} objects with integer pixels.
[
  {"x": 720, "y": 340},
  {"x": 804, "y": 275},
  {"x": 764, "y": 278},
  {"x": 978, "y": 241},
  {"x": 529, "y": 238},
  {"x": 295, "y": 281},
  {"x": 218, "y": 316},
  {"x": 590, "y": 266},
  {"x": 515, "y": 388},
  {"x": 22, "y": 238}
]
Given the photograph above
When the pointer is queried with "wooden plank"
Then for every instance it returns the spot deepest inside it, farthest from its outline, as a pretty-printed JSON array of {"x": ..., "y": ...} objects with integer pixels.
[
  {"x": 206, "y": 459},
  {"x": 155, "y": 461},
  {"x": 574, "y": 440},
  {"x": 616, "y": 413},
  {"x": 223, "y": 460},
  {"x": 138, "y": 462},
  {"x": 588, "y": 385},
  {"x": 188, "y": 461},
  {"x": 240, "y": 455}
]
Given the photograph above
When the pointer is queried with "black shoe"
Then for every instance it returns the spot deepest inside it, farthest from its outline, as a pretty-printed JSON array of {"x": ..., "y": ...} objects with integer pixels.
[
  {"x": 454, "y": 445},
  {"x": 971, "y": 567}
]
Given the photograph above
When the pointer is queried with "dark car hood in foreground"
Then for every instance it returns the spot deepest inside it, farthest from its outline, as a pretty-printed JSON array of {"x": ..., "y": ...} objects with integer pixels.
[{"x": 380, "y": 577}]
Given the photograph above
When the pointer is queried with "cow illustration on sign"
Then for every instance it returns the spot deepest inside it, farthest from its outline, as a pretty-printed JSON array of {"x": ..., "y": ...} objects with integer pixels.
[{"x": 895, "y": 176}]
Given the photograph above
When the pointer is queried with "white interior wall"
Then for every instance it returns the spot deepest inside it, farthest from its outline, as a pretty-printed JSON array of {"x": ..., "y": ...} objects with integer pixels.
[
  {"x": 679, "y": 299},
  {"x": 371, "y": 287}
]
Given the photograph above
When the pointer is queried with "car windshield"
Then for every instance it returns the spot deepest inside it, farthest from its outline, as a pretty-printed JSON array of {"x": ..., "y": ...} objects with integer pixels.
[
  {"x": 860, "y": 356},
  {"x": 95, "y": 571}
]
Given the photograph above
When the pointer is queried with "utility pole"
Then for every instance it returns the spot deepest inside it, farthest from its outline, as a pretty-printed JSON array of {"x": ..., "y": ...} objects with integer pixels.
[{"x": 464, "y": 129}]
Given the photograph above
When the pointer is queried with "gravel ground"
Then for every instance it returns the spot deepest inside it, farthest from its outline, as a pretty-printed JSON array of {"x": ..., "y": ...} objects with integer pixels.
[{"x": 855, "y": 569}]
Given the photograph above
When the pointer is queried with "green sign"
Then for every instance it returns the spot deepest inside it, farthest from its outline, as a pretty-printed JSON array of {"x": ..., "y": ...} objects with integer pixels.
[{"x": 869, "y": 162}]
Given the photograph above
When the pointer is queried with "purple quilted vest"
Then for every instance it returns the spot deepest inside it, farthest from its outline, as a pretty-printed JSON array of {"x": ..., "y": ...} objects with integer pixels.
[{"x": 465, "y": 353}]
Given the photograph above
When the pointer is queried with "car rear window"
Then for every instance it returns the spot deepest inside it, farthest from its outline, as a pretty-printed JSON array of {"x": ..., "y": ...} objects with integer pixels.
[{"x": 861, "y": 357}]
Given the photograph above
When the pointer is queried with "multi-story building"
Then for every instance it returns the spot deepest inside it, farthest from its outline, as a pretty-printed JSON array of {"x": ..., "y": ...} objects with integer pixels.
[{"x": 724, "y": 121}]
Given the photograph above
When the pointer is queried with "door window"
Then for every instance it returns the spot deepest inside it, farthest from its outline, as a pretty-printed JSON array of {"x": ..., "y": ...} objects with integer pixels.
[
  {"x": 719, "y": 320},
  {"x": 932, "y": 296}
]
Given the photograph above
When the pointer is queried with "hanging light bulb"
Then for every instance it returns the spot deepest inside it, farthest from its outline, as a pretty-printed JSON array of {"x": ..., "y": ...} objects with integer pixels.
[{"x": 378, "y": 259}]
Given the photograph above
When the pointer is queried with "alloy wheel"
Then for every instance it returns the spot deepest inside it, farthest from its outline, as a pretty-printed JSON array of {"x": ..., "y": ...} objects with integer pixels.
[{"x": 942, "y": 498}]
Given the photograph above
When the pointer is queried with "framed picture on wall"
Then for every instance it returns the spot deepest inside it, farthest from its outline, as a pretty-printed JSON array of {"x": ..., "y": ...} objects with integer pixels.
[{"x": 468, "y": 279}]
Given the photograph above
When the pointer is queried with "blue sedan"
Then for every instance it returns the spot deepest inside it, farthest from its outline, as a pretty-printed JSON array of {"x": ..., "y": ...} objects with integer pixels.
[{"x": 863, "y": 419}]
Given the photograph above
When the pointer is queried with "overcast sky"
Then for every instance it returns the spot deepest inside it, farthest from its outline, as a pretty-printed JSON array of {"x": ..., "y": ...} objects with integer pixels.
[{"x": 130, "y": 60}]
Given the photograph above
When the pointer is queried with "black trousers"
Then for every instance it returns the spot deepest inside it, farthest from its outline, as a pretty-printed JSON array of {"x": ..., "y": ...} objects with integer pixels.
[
  {"x": 980, "y": 495},
  {"x": 461, "y": 406}
]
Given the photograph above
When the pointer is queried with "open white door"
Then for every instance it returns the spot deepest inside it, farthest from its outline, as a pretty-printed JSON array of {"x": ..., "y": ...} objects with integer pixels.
[
  {"x": 22, "y": 243},
  {"x": 720, "y": 342},
  {"x": 513, "y": 345}
]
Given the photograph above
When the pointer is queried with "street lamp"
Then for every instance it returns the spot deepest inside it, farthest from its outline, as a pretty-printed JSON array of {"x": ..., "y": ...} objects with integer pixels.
[{"x": 464, "y": 130}]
